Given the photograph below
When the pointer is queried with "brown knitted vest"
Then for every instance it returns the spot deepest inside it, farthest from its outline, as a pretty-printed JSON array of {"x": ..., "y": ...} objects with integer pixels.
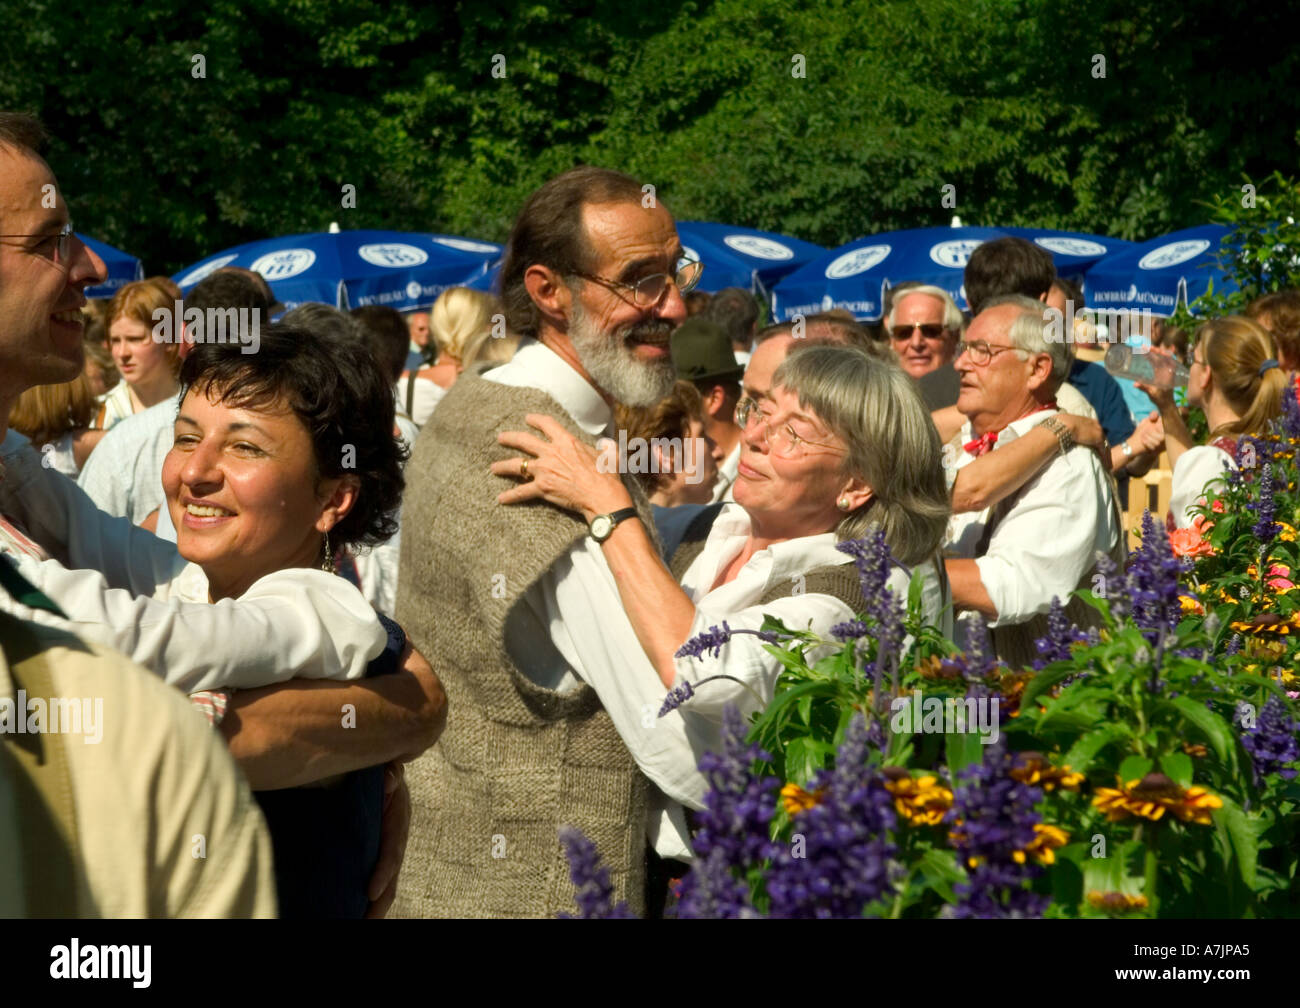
[{"x": 516, "y": 761}]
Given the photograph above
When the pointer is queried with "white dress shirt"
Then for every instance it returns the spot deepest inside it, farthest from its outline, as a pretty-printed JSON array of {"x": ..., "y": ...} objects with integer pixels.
[
  {"x": 133, "y": 592},
  {"x": 1194, "y": 469},
  {"x": 725, "y": 484},
  {"x": 1060, "y": 520},
  {"x": 123, "y": 475},
  {"x": 117, "y": 406},
  {"x": 737, "y": 603}
]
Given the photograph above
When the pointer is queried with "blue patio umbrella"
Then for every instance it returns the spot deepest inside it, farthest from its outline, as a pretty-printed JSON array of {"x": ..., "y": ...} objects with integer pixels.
[
  {"x": 857, "y": 275},
  {"x": 487, "y": 280},
  {"x": 732, "y": 257},
  {"x": 123, "y": 268},
  {"x": 1158, "y": 274},
  {"x": 743, "y": 257},
  {"x": 400, "y": 269}
]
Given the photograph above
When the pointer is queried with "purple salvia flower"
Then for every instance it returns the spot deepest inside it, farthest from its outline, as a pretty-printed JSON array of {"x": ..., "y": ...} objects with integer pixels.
[
  {"x": 1272, "y": 742},
  {"x": 1061, "y": 633},
  {"x": 1265, "y": 528},
  {"x": 713, "y": 639},
  {"x": 845, "y": 861},
  {"x": 739, "y": 805},
  {"x": 1290, "y": 412},
  {"x": 710, "y": 891},
  {"x": 677, "y": 696},
  {"x": 595, "y": 895},
  {"x": 992, "y": 817},
  {"x": 849, "y": 630},
  {"x": 871, "y": 557},
  {"x": 1152, "y": 581}
]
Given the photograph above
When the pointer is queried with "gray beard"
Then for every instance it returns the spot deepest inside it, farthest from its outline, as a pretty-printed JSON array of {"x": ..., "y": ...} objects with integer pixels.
[{"x": 615, "y": 367}]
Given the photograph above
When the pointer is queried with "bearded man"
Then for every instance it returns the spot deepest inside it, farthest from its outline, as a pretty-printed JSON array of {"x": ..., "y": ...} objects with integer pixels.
[{"x": 517, "y": 604}]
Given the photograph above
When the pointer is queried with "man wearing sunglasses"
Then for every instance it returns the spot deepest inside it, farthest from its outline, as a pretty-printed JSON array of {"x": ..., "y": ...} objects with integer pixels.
[
  {"x": 519, "y": 604},
  {"x": 924, "y": 325}
]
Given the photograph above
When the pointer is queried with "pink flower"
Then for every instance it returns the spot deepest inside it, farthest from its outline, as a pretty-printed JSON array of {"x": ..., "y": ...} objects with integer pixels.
[
  {"x": 1278, "y": 577},
  {"x": 1190, "y": 542}
]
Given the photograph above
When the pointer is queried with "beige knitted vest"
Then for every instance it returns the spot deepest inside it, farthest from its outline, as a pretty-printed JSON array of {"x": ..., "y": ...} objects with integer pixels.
[{"x": 516, "y": 761}]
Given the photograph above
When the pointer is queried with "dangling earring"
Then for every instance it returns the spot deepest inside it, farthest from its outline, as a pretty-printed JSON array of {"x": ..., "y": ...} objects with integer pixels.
[
  {"x": 327, "y": 562},
  {"x": 844, "y": 503}
]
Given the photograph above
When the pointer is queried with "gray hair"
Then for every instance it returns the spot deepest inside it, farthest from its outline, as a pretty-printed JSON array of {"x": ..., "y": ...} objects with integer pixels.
[
  {"x": 893, "y": 446},
  {"x": 953, "y": 320},
  {"x": 1028, "y": 332}
]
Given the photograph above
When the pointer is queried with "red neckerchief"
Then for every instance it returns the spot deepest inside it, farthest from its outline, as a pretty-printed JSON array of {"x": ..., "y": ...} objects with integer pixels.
[{"x": 985, "y": 442}]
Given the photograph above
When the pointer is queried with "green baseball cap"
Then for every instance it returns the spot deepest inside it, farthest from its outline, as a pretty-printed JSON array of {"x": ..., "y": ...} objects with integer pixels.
[{"x": 701, "y": 350}]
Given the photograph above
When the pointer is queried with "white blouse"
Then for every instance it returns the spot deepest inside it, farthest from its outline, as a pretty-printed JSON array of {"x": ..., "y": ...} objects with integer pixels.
[
  {"x": 131, "y": 591},
  {"x": 737, "y": 603},
  {"x": 1194, "y": 469}
]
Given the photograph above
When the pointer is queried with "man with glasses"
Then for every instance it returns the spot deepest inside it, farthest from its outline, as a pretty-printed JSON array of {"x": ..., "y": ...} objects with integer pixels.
[
  {"x": 1008, "y": 562},
  {"x": 518, "y": 606}
]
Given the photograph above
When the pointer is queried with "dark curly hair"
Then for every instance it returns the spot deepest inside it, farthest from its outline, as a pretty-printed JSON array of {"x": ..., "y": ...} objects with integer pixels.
[{"x": 335, "y": 387}]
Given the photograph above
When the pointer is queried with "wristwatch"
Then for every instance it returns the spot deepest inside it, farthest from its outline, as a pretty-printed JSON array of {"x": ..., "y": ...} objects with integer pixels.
[
  {"x": 1127, "y": 449},
  {"x": 602, "y": 526}
]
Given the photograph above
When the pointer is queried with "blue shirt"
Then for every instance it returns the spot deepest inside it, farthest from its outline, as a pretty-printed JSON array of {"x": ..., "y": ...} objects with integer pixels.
[{"x": 1105, "y": 395}]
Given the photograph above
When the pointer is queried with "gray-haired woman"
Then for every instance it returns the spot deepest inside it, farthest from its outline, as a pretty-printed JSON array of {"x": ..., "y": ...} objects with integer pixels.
[{"x": 842, "y": 445}]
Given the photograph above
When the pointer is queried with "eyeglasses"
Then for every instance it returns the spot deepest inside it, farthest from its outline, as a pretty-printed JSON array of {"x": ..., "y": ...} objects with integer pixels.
[
  {"x": 649, "y": 290},
  {"x": 783, "y": 441},
  {"x": 981, "y": 352},
  {"x": 60, "y": 243},
  {"x": 930, "y": 330}
]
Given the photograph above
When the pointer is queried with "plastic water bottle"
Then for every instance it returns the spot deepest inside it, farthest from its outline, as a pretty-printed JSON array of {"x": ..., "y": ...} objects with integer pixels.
[{"x": 1150, "y": 368}]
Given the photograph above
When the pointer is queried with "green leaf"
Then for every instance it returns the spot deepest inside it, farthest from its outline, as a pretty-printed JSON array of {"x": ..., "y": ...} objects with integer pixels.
[
  {"x": 1178, "y": 767},
  {"x": 1213, "y": 727},
  {"x": 1080, "y": 756},
  {"x": 942, "y": 872},
  {"x": 1043, "y": 682},
  {"x": 961, "y": 750},
  {"x": 1241, "y": 836},
  {"x": 1134, "y": 768}
]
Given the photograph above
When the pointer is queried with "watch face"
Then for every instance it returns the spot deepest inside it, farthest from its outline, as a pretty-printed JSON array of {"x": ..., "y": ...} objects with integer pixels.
[{"x": 601, "y": 527}]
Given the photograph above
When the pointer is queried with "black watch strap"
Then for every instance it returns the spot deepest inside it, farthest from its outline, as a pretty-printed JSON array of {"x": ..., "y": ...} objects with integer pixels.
[{"x": 602, "y": 526}]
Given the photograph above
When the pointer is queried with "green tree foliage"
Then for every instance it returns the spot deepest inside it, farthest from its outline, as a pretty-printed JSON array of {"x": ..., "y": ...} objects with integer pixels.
[{"x": 444, "y": 116}]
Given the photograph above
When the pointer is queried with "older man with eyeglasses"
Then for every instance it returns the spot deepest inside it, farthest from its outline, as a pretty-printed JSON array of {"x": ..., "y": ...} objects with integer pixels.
[
  {"x": 1007, "y": 562},
  {"x": 519, "y": 605}
]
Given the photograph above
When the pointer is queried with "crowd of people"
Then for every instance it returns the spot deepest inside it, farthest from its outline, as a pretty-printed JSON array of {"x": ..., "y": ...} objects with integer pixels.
[{"x": 425, "y": 580}]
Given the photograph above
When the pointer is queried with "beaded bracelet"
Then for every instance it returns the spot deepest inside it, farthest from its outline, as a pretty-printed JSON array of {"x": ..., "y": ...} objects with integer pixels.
[{"x": 1063, "y": 436}]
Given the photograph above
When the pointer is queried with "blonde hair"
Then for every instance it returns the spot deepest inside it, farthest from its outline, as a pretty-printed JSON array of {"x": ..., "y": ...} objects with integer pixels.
[
  {"x": 458, "y": 315},
  {"x": 1235, "y": 348},
  {"x": 893, "y": 447},
  {"x": 45, "y": 413},
  {"x": 486, "y": 348}
]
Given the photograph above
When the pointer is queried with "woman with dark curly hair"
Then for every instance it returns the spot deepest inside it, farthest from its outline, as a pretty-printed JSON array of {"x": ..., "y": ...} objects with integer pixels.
[{"x": 282, "y": 458}]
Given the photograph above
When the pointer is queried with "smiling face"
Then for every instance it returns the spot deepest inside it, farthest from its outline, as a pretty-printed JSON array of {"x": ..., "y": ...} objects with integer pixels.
[
  {"x": 141, "y": 361},
  {"x": 918, "y": 353},
  {"x": 40, "y": 320},
  {"x": 623, "y": 347},
  {"x": 243, "y": 492},
  {"x": 792, "y": 497}
]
